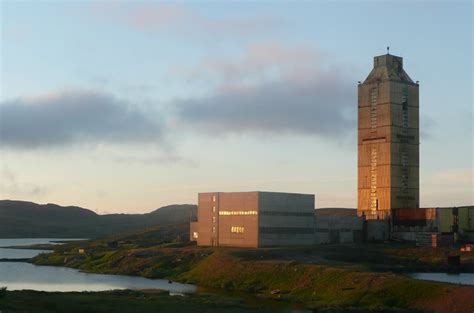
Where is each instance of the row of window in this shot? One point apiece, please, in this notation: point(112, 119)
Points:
point(373, 108)
point(237, 229)
point(373, 179)
point(238, 213)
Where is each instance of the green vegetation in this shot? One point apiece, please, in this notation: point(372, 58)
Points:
point(339, 277)
point(3, 292)
point(119, 302)
point(316, 286)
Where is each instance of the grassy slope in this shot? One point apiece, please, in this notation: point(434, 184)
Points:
point(316, 285)
point(341, 284)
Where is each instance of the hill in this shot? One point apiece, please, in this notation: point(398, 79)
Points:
point(335, 212)
point(21, 219)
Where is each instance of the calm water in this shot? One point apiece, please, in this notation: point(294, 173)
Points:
point(463, 278)
point(20, 275)
point(24, 253)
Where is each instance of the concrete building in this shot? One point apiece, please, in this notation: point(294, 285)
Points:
point(412, 224)
point(388, 140)
point(254, 219)
point(335, 225)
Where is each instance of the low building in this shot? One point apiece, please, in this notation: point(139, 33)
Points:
point(254, 219)
point(337, 225)
point(409, 224)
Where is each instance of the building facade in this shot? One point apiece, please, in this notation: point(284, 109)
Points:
point(254, 219)
point(388, 140)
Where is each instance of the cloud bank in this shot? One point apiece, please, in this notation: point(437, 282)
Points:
point(71, 117)
point(272, 89)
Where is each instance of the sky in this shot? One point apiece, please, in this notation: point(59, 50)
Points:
point(125, 107)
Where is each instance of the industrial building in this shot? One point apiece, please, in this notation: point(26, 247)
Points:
point(254, 219)
point(388, 140)
point(335, 225)
point(388, 186)
point(431, 224)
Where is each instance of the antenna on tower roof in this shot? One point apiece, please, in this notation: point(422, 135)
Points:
point(388, 50)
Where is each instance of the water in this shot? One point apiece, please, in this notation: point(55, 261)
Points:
point(21, 275)
point(462, 278)
point(6, 253)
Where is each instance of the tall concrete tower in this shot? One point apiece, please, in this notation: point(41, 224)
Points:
point(388, 140)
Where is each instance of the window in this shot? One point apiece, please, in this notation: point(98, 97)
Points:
point(237, 229)
point(405, 107)
point(405, 115)
point(213, 219)
point(373, 108)
point(373, 179)
point(195, 235)
point(213, 198)
point(214, 209)
point(213, 229)
point(223, 212)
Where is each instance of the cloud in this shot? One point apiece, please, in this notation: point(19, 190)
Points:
point(71, 117)
point(273, 89)
point(10, 186)
point(182, 19)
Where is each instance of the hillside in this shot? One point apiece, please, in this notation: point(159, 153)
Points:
point(21, 219)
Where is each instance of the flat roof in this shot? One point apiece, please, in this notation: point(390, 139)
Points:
point(256, 191)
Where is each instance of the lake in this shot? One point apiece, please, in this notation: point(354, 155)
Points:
point(462, 278)
point(20, 275)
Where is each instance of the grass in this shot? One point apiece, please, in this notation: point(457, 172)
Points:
point(318, 286)
point(126, 301)
point(348, 277)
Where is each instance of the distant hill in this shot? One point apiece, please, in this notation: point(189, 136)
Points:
point(335, 212)
point(21, 219)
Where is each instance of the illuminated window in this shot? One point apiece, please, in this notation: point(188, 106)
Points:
point(373, 179)
point(213, 198)
point(195, 235)
point(237, 229)
point(213, 219)
point(223, 212)
point(214, 209)
point(213, 229)
point(373, 108)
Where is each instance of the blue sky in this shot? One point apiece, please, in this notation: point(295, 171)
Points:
point(128, 106)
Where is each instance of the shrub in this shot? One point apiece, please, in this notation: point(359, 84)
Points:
point(3, 291)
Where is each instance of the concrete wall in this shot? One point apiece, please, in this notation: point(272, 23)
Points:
point(208, 208)
point(285, 219)
point(377, 230)
point(254, 219)
point(338, 229)
point(238, 226)
point(193, 231)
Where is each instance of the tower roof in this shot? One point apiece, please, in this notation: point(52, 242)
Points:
point(388, 67)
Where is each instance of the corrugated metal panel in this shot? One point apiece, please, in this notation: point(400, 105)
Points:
point(466, 218)
point(445, 220)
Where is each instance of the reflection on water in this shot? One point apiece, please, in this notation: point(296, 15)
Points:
point(462, 278)
point(31, 241)
point(19, 275)
point(6, 253)
point(19, 253)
